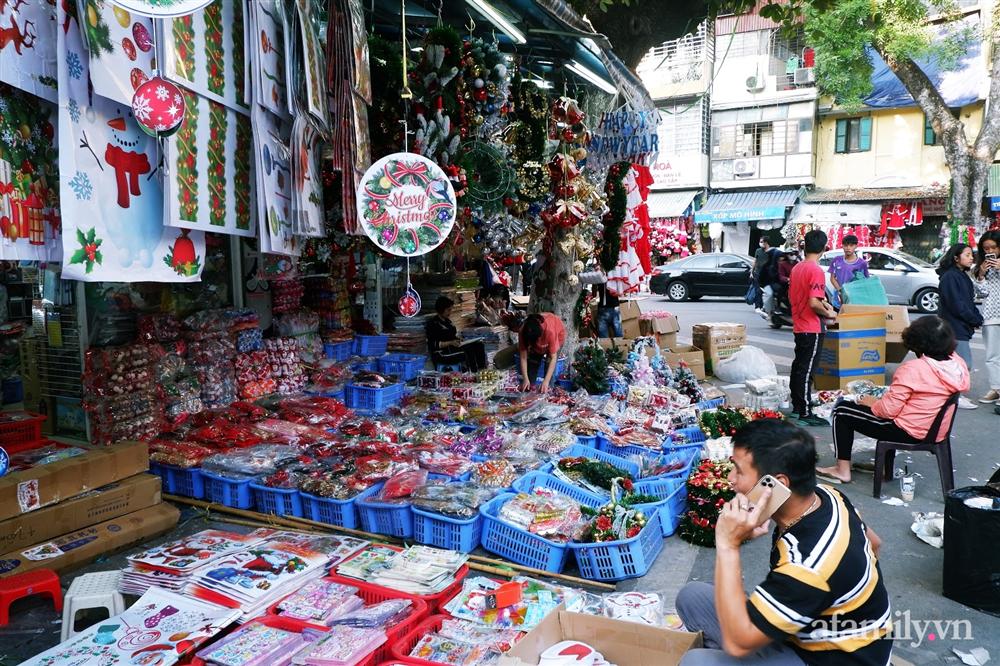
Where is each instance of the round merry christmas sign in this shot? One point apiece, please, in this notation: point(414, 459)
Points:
point(162, 8)
point(406, 204)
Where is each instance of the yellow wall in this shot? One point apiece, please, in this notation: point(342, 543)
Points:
point(898, 150)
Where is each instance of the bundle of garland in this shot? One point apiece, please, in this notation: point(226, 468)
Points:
point(724, 422)
point(596, 473)
point(708, 489)
point(618, 519)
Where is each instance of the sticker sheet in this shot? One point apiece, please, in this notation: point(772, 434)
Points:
point(110, 189)
point(194, 551)
point(267, 51)
point(307, 184)
point(359, 37)
point(206, 53)
point(315, 64)
point(159, 629)
point(274, 184)
point(28, 51)
point(251, 574)
point(210, 167)
point(29, 178)
point(122, 49)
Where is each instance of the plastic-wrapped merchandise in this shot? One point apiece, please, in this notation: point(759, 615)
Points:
point(495, 473)
point(455, 500)
point(546, 513)
point(286, 295)
point(313, 410)
point(159, 328)
point(474, 604)
point(252, 462)
point(178, 453)
point(444, 462)
point(402, 485)
point(300, 322)
point(285, 366)
point(120, 389)
point(381, 614)
point(207, 321)
point(248, 340)
point(640, 607)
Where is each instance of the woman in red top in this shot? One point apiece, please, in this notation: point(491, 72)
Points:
point(539, 338)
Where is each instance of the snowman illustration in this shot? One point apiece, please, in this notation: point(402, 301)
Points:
point(134, 216)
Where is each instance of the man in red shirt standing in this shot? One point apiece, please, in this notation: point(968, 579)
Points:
point(807, 294)
point(539, 338)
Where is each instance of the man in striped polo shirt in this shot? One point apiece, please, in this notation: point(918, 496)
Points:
point(823, 601)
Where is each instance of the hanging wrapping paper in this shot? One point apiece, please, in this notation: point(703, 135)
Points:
point(406, 204)
point(205, 52)
point(306, 149)
point(28, 47)
point(313, 60)
point(267, 54)
point(274, 184)
point(29, 188)
point(122, 49)
point(209, 181)
point(111, 194)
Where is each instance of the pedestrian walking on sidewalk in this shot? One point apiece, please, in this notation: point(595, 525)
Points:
point(958, 303)
point(807, 294)
point(987, 274)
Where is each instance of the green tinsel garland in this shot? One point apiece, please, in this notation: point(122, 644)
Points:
point(594, 472)
point(614, 188)
point(723, 422)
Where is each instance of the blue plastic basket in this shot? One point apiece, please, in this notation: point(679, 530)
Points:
point(618, 560)
point(368, 365)
point(518, 545)
point(714, 403)
point(539, 479)
point(370, 345)
point(673, 495)
point(434, 529)
point(233, 493)
point(185, 481)
point(394, 520)
point(338, 351)
point(590, 441)
point(374, 400)
point(577, 451)
point(277, 501)
point(404, 366)
point(689, 435)
point(332, 511)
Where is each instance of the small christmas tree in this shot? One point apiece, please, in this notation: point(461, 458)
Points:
point(591, 366)
point(687, 384)
point(708, 489)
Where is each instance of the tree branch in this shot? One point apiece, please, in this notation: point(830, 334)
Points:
point(988, 140)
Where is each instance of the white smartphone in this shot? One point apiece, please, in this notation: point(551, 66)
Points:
point(779, 495)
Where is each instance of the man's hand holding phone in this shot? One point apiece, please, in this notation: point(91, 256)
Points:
point(738, 522)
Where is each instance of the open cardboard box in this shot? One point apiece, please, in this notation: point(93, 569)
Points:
point(622, 643)
point(854, 350)
point(897, 318)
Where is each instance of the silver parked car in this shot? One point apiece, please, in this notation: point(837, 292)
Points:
point(907, 280)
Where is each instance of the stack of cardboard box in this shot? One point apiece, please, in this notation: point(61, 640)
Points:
point(718, 340)
point(73, 510)
point(664, 327)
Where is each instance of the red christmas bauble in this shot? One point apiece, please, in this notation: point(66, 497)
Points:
point(158, 107)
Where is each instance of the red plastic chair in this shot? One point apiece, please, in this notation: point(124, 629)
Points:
point(18, 586)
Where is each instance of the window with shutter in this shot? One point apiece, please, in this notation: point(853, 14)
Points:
point(841, 146)
point(865, 135)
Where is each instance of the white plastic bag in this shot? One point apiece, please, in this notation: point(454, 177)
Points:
point(746, 364)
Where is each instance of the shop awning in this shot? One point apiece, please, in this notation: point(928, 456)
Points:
point(746, 206)
point(670, 204)
point(832, 214)
point(880, 194)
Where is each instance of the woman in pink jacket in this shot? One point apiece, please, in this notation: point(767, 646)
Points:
point(906, 412)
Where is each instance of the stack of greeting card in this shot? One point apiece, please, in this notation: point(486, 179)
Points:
point(255, 578)
point(159, 628)
point(415, 570)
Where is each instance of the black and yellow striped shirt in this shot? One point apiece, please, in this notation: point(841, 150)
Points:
point(824, 595)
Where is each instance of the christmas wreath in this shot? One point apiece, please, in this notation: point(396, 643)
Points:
point(708, 489)
point(724, 422)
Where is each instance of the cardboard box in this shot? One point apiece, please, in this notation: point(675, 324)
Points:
point(630, 318)
point(854, 350)
point(43, 485)
point(718, 341)
point(897, 318)
point(134, 493)
point(664, 329)
point(88, 544)
point(622, 643)
point(694, 357)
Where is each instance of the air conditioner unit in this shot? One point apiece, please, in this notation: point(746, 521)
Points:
point(805, 75)
point(745, 167)
point(755, 84)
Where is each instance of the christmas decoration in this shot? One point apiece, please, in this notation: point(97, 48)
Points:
point(687, 384)
point(617, 199)
point(708, 490)
point(409, 302)
point(158, 106)
point(583, 315)
point(182, 257)
point(597, 473)
point(591, 364)
point(617, 520)
point(434, 83)
point(162, 8)
point(723, 422)
point(669, 237)
point(88, 252)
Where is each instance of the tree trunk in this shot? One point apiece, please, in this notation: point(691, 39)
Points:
point(551, 291)
point(968, 183)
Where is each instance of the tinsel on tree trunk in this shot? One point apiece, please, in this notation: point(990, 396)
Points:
point(215, 53)
point(187, 158)
point(183, 29)
point(239, 52)
point(241, 171)
point(217, 158)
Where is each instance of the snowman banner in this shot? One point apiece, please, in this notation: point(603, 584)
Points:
point(110, 189)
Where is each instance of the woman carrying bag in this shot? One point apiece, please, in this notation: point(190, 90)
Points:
point(958, 303)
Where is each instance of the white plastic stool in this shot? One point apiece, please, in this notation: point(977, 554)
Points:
point(93, 590)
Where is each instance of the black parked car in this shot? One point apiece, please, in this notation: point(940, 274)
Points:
point(709, 274)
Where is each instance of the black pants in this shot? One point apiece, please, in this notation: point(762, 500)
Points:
point(849, 418)
point(758, 299)
point(534, 365)
point(472, 355)
point(807, 346)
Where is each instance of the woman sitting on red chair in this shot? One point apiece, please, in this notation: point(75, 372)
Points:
point(919, 390)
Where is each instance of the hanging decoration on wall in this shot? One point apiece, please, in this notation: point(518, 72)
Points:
point(209, 184)
point(274, 184)
point(28, 47)
point(628, 134)
point(122, 49)
point(162, 8)
point(434, 82)
point(306, 149)
point(267, 56)
point(410, 303)
point(310, 26)
point(483, 87)
point(158, 107)
point(406, 204)
point(205, 52)
point(29, 179)
point(489, 176)
point(110, 190)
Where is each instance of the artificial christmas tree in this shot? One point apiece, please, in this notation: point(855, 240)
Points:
point(708, 489)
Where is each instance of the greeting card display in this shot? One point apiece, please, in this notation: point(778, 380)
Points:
point(122, 51)
point(28, 51)
point(194, 551)
point(274, 184)
point(267, 53)
point(110, 189)
point(162, 8)
point(160, 628)
point(406, 204)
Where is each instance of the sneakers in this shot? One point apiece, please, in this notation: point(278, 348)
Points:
point(763, 313)
point(811, 421)
point(965, 403)
point(990, 397)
